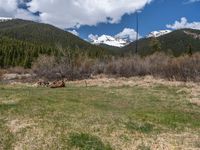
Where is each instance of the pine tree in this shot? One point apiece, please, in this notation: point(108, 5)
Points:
point(190, 50)
point(155, 44)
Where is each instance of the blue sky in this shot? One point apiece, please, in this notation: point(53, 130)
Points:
point(110, 17)
point(154, 16)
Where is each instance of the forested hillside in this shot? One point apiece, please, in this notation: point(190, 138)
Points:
point(23, 41)
point(177, 43)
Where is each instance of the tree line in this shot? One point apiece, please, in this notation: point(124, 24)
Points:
point(21, 53)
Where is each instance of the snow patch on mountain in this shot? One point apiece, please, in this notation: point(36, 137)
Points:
point(158, 33)
point(194, 35)
point(3, 19)
point(108, 40)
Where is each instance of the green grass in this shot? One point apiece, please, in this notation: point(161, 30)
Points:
point(144, 128)
point(93, 117)
point(87, 142)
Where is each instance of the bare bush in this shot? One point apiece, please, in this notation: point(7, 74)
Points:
point(183, 68)
point(46, 67)
point(57, 68)
point(136, 65)
point(2, 72)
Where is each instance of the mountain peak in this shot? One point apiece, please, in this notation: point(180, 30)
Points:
point(3, 19)
point(108, 40)
point(158, 33)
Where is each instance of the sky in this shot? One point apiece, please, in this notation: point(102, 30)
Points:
point(90, 18)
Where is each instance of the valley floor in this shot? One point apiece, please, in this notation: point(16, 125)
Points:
point(101, 114)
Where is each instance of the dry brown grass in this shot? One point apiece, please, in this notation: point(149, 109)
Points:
point(113, 81)
point(17, 125)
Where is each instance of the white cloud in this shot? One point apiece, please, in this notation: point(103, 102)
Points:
point(23, 14)
point(127, 33)
point(73, 32)
point(73, 13)
point(183, 23)
point(9, 8)
point(93, 37)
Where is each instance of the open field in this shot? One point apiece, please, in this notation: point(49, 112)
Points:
point(101, 114)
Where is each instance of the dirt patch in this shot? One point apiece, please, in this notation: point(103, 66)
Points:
point(17, 125)
point(195, 95)
point(176, 141)
point(13, 76)
point(37, 138)
point(9, 101)
point(165, 141)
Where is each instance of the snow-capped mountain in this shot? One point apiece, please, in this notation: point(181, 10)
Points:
point(109, 40)
point(3, 19)
point(158, 33)
point(121, 42)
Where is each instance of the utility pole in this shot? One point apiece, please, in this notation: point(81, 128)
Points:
point(137, 34)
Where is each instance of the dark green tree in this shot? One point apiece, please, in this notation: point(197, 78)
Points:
point(155, 44)
point(190, 50)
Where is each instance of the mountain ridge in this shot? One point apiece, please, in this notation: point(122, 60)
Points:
point(176, 42)
point(158, 33)
point(26, 40)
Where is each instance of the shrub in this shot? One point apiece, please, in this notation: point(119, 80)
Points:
point(46, 66)
point(183, 68)
point(52, 68)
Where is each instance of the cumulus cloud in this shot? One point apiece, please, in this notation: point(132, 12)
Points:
point(127, 33)
point(183, 23)
point(9, 8)
point(93, 37)
point(73, 32)
point(74, 13)
point(26, 15)
point(71, 13)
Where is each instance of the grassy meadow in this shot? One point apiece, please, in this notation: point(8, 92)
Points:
point(98, 118)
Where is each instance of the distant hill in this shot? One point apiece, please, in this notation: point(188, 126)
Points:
point(177, 43)
point(21, 42)
point(113, 50)
point(38, 38)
